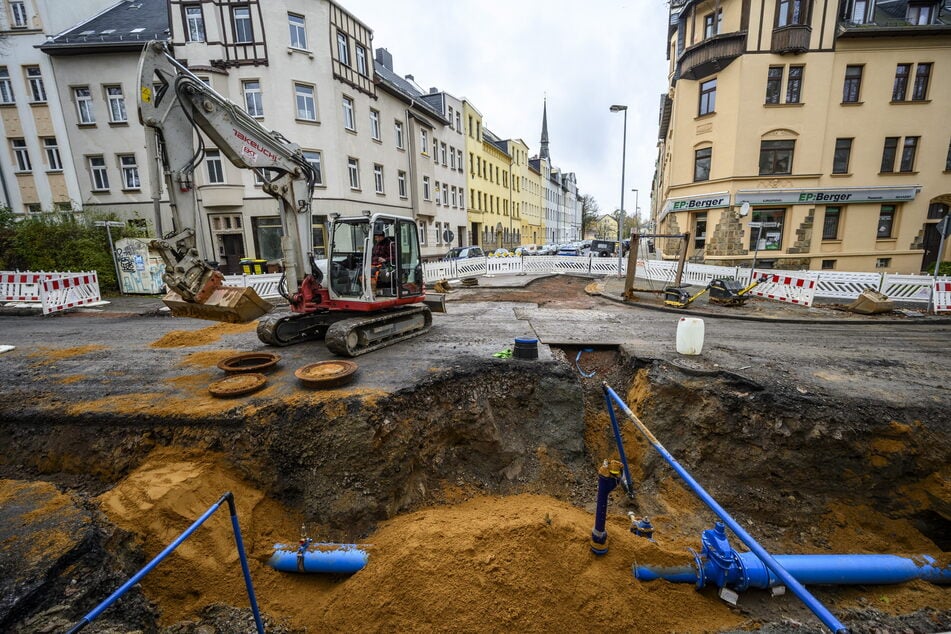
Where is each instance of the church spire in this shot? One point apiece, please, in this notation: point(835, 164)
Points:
point(543, 153)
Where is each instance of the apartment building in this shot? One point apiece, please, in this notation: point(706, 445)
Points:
point(807, 133)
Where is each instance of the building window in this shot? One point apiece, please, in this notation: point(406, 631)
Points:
point(362, 60)
point(37, 89)
point(937, 211)
point(130, 172)
point(343, 48)
point(18, 12)
point(789, 12)
point(349, 122)
point(886, 221)
point(794, 84)
point(830, 223)
point(708, 97)
point(776, 157)
point(84, 106)
point(920, 13)
point(828, 265)
point(253, 102)
point(378, 178)
point(306, 107)
point(701, 164)
point(241, 18)
point(920, 90)
point(900, 86)
point(21, 155)
point(712, 24)
point(843, 152)
point(427, 188)
point(774, 84)
point(398, 128)
point(438, 193)
point(883, 263)
point(267, 233)
point(314, 158)
point(100, 176)
point(908, 152)
point(298, 32)
point(859, 13)
point(445, 194)
point(216, 174)
point(401, 183)
point(889, 152)
point(424, 142)
point(852, 85)
point(353, 169)
point(947, 160)
point(458, 122)
point(53, 161)
point(766, 230)
point(700, 231)
point(374, 124)
point(117, 113)
point(452, 158)
point(6, 88)
point(459, 161)
point(194, 23)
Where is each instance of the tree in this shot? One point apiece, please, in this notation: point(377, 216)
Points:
point(589, 213)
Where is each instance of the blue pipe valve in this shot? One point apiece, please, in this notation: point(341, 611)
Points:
point(609, 475)
point(642, 527)
point(723, 567)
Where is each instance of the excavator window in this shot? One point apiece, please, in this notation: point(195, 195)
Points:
point(348, 248)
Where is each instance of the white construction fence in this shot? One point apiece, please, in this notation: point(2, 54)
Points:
point(52, 291)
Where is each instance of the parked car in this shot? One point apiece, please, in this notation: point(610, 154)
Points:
point(547, 249)
point(528, 249)
point(575, 251)
point(461, 253)
point(501, 253)
point(603, 248)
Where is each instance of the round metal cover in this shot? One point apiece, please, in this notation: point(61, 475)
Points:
point(237, 384)
point(324, 374)
point(249, 362)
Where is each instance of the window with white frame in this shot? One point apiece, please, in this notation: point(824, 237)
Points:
point(298, 31)
point(99, 173)
point(442, 153)
point(397, 127)
point(458, 122)
point(18, 13)
point(194, 23)
point(241, 19)
point(349, 121)
point(452, 158)
point(438, 191)
point(375, 124)
point(427, 193)
point(424, 141)
point(401, 183)
point(53, 161)
point(314, 158)
point(21, 155)
point(253, 101)
point(343, 48)
point(35, 80)
point(117, 112)
point(6, 88)
point(353, 169)
point(459, 163)
point(423, 228)
point(362, 67)
point(378, 178)
point(455, 202)
point(445, 194)
point(216, 172)
point(130, 171)
point(449, 110)
point(84, 105)
point(306, 106)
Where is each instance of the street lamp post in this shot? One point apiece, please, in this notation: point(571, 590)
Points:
point(620, 216)
point(108, 224)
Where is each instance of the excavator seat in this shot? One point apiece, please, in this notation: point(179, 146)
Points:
point(226, 303)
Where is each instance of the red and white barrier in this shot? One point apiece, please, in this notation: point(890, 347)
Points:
point(787, 288)
point(20, 287)
point(942, 296)
point(70, 290)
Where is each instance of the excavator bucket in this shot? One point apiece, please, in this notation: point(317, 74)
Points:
point(226, 303)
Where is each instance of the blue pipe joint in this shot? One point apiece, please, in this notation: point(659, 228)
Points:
point(609, 475)
point(717, 562)
point(642, 527)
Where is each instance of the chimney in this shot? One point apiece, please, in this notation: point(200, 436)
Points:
point(410, 78)
point(384, 58)
point(433, 91)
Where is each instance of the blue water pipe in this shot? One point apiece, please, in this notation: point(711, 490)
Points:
point(718, 564)
point(320, 557)
point(626, 481)
point(239, 543)
point(814, 605)
point(586, 375)
point(608, 476)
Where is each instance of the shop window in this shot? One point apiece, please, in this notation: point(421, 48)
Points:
point(830, 223)
point(267, 237)
point(886, 221)
point(700, 231)
point(766, 230)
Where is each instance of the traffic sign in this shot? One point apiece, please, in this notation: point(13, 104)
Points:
point(944, 226)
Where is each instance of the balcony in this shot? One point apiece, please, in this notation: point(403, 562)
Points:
point(711, 55)
point(214, 196)
point(792, 39)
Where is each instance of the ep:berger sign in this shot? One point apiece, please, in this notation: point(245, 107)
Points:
point(706, 203)
point(823, 197)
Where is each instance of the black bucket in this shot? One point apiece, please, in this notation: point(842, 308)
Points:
point(525, 348)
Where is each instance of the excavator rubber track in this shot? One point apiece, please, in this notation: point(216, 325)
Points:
point(359, 335)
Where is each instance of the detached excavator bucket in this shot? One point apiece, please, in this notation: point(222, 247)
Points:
point(226, 303)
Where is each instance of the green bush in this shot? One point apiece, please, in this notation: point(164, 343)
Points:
point(60, 242)
point(944, 269)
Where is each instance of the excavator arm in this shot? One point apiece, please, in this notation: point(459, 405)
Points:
point(180, 110)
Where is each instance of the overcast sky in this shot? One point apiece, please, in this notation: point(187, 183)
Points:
point(506, 56)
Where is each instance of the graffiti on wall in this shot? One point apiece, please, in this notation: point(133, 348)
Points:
point(140, 272)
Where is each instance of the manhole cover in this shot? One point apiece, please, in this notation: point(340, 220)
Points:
point(237, 385)
point(325, 374)
point(249, 362)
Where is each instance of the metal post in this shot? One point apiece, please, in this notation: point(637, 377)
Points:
point(942, 230)
point(620, 215)
point(108, 224)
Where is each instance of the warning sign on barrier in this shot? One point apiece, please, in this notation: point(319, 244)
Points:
point(69, 290)
point(942, 296)
point(797, 290)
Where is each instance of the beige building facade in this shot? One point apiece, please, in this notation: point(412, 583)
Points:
point(808, 134)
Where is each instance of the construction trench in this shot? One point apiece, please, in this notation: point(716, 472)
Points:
point(473, 493)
